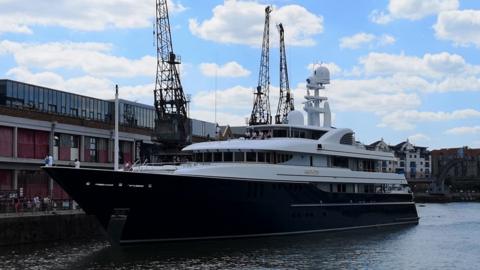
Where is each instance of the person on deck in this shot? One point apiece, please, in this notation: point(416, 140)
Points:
point(77, 163)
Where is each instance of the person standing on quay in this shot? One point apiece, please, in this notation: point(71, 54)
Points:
point(77, 163)
point(50, 160)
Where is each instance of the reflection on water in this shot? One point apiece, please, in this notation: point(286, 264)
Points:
point(447, 237)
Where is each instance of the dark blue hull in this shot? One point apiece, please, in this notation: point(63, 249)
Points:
point(141, 207)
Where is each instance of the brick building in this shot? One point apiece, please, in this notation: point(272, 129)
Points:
point(464, 173)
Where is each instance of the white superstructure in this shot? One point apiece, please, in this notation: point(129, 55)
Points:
point(293, 152)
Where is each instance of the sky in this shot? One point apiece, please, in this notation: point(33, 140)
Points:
point(400, 69)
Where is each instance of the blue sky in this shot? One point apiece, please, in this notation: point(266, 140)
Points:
point(400, 68)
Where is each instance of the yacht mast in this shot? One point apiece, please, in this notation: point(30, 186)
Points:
point(317, 82)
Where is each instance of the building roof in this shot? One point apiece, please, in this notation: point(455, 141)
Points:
point(239, 130)
point(456, 151)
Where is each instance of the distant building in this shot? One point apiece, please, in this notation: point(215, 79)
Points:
point(415, 161)
point(385, 166)
point(412, 161)
point(464, 172)
point(37, 121)
point(239, 131)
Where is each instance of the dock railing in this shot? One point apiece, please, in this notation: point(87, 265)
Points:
point(26, 206)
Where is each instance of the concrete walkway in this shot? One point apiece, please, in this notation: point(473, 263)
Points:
point(41, 213)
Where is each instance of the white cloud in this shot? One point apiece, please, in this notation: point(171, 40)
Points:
point(464, 130)
point(406, 120)
point(419, 137)
point(237, 97)
point(441, 72)
point(91, 58)
point(372, 95)
point(364, 39)
point(460, 26)
point(412, 9)
point(385, 40)
point(88, 15)
point(430, 65)
point(224, 27)
point(380, 17)
point(355, 41)
point(230, 69)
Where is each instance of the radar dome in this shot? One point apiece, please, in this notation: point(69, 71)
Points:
point(321, 75)
point(295, 118)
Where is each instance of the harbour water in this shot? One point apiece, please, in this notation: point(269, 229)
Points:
point(448, 237)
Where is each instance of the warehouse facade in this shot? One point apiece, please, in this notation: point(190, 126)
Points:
point(36, 122)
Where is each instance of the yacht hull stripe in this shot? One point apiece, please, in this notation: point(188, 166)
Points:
point(414, 221)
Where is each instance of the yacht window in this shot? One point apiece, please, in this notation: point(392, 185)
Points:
point(261, 157)
point(217, 157)
point(347, 139)
point(323, 187)
point(341, 162)
point(239, 157)
point(341, 187)
point(267, 157)
point(207, 157)
point(198, 157)
point(369, 188)
point(379, 188)
point(283, 158)
point(281, 133)
point(317, 134)
point(368, 165)
point(228, 157)
point(251, 157)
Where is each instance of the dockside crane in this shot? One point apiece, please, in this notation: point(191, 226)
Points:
point(172, 126)
point(285, 102)
point(261, 105)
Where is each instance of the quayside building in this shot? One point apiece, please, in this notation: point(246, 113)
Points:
point(37, 121)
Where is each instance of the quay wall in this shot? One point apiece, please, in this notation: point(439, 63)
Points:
point(447, 198)
point(23, 229)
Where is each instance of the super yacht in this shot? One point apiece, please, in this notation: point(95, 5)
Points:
point(279, 179)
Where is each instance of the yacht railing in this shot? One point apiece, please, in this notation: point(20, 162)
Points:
point(167, 166)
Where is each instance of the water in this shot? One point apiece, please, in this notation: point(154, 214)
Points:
point(448, 237)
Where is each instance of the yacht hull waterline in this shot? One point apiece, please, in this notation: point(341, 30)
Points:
point(135, 207)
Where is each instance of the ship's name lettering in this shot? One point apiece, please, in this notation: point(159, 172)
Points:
point(311, 172)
